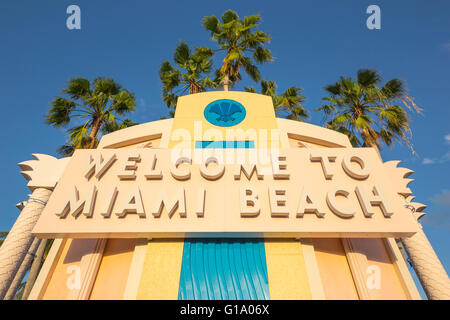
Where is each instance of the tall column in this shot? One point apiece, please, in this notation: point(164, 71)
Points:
point(42, 174)
point(35, 268)
point(24, 267)
point(19, 238)
point(429, 270)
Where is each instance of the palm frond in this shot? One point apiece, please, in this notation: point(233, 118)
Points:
point(262, 55)
point(367, 114)
point(182, 54)
point(251, 69)
point(59, 113)
point(368, 77)
point(78, 88)
point(191, 74)
point(94, 103)
point(242, 43)
point(106, 86)
point(66, 150)
point(211, 23)
point(112, 125)
point(229, 15)
point(123, 102)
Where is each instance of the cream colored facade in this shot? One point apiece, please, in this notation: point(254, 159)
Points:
point(339, 262)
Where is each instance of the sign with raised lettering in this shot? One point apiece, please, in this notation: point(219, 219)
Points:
point(335, 192)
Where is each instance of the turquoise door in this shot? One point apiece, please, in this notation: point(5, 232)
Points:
point(223, 269)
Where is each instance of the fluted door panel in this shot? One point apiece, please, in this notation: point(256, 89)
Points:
point(221, 269)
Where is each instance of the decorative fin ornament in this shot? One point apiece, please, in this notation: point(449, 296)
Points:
point(400, 179)
point(44, 171)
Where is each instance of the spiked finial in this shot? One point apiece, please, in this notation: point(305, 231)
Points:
point(400, 179)
point(44, 171)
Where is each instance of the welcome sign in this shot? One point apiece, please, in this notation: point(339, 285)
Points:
point(335, 192)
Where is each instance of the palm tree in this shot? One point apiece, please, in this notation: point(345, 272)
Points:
point(190, 76)
point(370, 115)
point(79, 138)
point(92, 105)
point(238, 37)
point(366, 113)
point(288, 104)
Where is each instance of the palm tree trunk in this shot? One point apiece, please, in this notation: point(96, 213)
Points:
point(369, 140)
point(34, 271)
point(97, 123)
point(194, 88)
point(226, 80)
point(19, 239)
point(26, 263)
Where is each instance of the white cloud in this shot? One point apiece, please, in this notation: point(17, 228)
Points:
point(442, 159)
point(447, 138)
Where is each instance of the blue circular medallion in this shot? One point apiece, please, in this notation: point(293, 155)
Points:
point(224, 113)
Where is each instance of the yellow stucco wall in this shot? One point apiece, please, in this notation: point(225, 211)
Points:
point(190, 125)
point(161, 272)
point(286, 270)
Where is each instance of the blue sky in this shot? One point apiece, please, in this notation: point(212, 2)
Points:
point(313, 42)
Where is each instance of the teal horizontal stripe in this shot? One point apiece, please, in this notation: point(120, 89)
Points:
point(225, 144)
